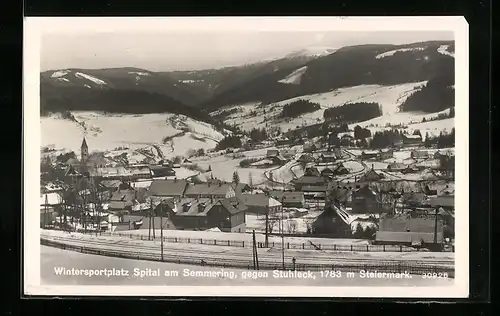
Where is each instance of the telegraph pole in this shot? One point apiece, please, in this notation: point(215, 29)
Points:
point(267, 223)
point(255, 254)
point(282, 231)
point(45, 211)
point(161, 229)
point(435, 226)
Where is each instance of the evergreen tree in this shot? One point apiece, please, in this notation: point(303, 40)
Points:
point(236, 177)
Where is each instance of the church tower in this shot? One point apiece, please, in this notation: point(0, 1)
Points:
point(84, 151)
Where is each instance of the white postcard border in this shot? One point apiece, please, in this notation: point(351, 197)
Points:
point(34, 26)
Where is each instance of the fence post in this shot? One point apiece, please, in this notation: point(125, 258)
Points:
point(229, 243)
point(273, 244)
point(175, 239)
point(367, 249)
point(400, 248)
point(287, 245)
point(215, 241)
point(243, 244)
point(383, 247)
point(302, 245)
point(201, 241)
point(351, 247)
point(335, 247)
point(189, 240)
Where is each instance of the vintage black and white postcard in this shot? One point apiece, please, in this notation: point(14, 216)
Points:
point(276, 157)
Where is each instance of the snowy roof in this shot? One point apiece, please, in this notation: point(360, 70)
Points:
point(208, 189)
point(168, 187)
point(201, 207)
point(412, 136)
point(287, 196)
point(446, 201)
point(259, 200)
point(111, 183)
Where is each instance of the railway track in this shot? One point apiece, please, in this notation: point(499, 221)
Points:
point(266, 255)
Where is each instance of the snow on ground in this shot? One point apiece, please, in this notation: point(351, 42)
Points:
point(314, 51)
point(443, 49)
point(138, 73)
point(52, 258)
point(389, 97)
point(89, 77)
point(63, 79)
point(220, 236)
point(397, 118)
point(59, 73)
point(392, 52)
point(105, 132)
point(292, 224)
point(434, 127)
point(294, 77)
point(223, 167)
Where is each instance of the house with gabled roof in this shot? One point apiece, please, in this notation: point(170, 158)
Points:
point(174, 188)
point(304, 158)
point(260, 204)
point(371, 176)
point(289, 199)
point(365, 201)
point(412, 139)
point(210, 189)
point(396, 167)
point(405, 230)
point(340, 169)
point(419, 154)
point(369, 154)
point(305, 180)
point(228, 215)
point(386, 154)
point(312, 171)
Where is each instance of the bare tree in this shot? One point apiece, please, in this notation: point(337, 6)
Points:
point(292, 226)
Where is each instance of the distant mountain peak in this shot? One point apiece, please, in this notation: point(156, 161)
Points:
point(317, 51)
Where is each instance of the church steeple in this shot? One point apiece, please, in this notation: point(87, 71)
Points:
point(84, 151)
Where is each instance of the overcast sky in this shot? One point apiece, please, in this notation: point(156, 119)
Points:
point(190, 51)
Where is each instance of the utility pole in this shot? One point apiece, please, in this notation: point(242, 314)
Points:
point(149, 225)
point(435, 226)
point(161, 229)
point(282, 231)
point(267, 222)
point(45, 211)
point(255, 254)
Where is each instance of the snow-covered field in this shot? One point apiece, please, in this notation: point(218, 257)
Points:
point(294, 77)
point(389, 97)
point(106, 132)
point(392, 52)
